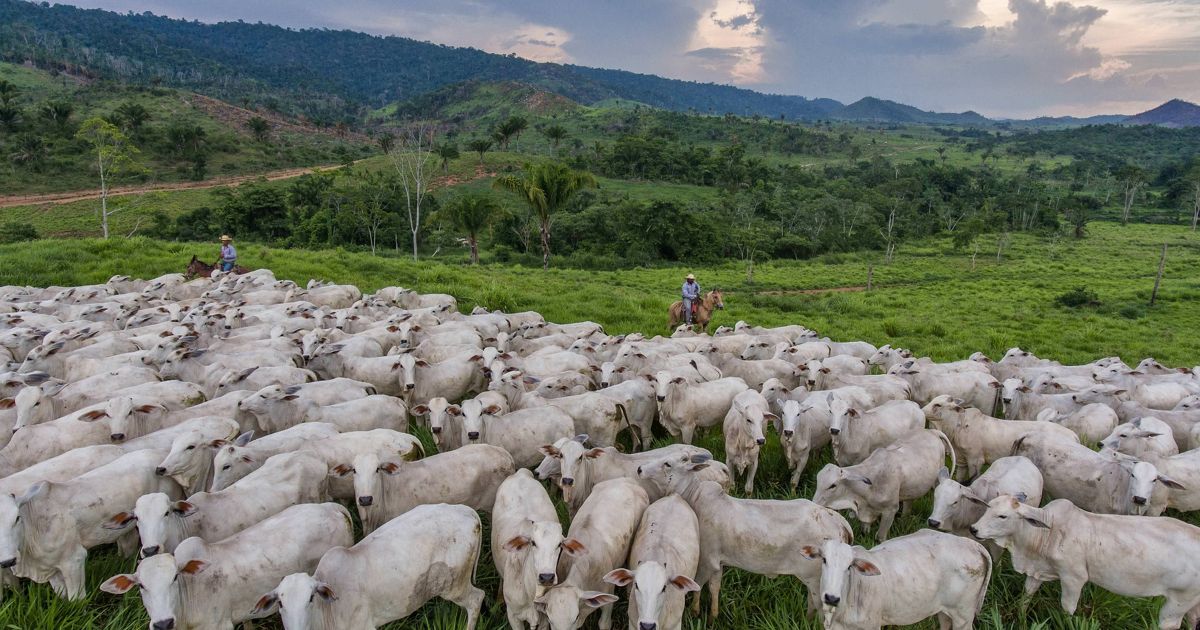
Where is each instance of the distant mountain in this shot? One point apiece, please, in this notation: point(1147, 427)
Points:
point(1173, 113)
point(1059, 122)
point(880, 110)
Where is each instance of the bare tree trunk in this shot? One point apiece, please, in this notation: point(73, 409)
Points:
point(545, 245)
point(410, 158)
point(103, 194)
point(474, 243)
point(1196, 213)
point(974, 254)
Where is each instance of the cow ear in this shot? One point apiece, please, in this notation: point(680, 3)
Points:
point(517, 543)
point(685, 584)
point(1035, 522)
point(619, 577)
point(596, 599)
point(290, 397)
point(244, 438)
point(594, 453)
point(995, 384)
point(422, 363)
point(1171, 483)
point(390, 468)
point(944, 473)
point(420, 410)
point(148, 408)
point(454, 410)
point(324, 592)
point(550, 451)
point(1024, 389)
point(93, 415)
point(7, 403)
point(119, 584)
point(810, 552)
point(970, 495)
point(194, 567)
point(865, 567)
point(267, 604)
point(119, 521)
point(341, 470)
point(492, 410)
point(573, 547)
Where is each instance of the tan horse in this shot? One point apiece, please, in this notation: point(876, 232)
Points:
point(709, 302)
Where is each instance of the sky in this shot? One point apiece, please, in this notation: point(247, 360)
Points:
point(1002, 58)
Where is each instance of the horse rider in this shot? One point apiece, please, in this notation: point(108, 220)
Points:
point(691, 295)
point(228, 254)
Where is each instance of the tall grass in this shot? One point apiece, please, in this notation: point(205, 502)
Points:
point(928, 300)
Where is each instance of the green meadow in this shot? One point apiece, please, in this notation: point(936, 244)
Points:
point(930, 298)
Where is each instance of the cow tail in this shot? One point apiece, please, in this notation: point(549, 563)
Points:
point(950, 449)
point(635, 434)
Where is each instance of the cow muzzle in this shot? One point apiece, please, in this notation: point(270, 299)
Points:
point(410, 386)
point(8, 564)
point(436, 430)
point(547, 579)
point(603, 384)
point(366, 501)
point(647, 625)
point(834, 431)
point(934, 523)
point(760, 441)
point(1139, 500)
point(661, 398)
point(160, 471)
point(165, 624)
point(974, 531)
point(568, 481)
point(472, 435)
point(149, 551)
point(117, 437)
point(787, 433)
point(831, 599)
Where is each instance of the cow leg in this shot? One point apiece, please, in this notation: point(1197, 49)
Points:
point(605, 622)
point(885, 523)
point(714, 595)
point(905, 508)
point(73, 575)
point(471, 600)
point(944, 622)
point(1072, 588)
point(1032, 584)
point(685, 433)
point(1170, 616)
point(750, 475)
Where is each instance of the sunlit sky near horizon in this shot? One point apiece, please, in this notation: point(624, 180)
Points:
point(1002, 58)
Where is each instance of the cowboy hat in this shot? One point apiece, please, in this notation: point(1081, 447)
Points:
point(226, 237)
point(690, 277)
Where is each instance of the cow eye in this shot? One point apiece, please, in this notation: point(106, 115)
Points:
point(833, 485)
point(1002, 516)
point(191, 447)
point(227, 467)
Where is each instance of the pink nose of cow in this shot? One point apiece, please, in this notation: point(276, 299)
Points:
point(366, 501)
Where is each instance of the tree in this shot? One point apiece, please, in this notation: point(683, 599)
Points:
point(480, 146)
point(510, 130)
point(8, 91)
point(190, 142)
point(546, 188)
point(10, 116)
point(373, 204)
point(259, 128)
point(555, 134)
point(387, 142)
point(446, 152)
point(115, 156)
point(1132, 179)
point(410, 157)
point(1193, 180)
point(472, 214)
point(57, 113)
point(30, 151)
point(132, 116)
point(1077, 209)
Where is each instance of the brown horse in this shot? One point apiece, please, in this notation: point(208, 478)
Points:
point(198, 267)
point(709, 302)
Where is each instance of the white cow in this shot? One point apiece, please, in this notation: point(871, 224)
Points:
point(903, 581)
point(743, 429)
point(664, 556)
point(857, 433)
point(1153, 557)
point(685, 407)
point(216, 585)
point(522, 433)
point(1091, 423)
point(956, 507)
point(980, 439)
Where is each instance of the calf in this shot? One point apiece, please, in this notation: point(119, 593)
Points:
point(908, 579)
point(45, 533)
point(891, 476)
point(759, 536)
point(975, 389)
point(665, 553)
point(216, 585)
point(1154, 557)
point(469, 475)
point(604, 527)
point(1148, 438)
point(744, 437)
point(956, 507)
point(526, 541)
point(276, 408)
point(522, 433)
point(799, 435)
point(856, 434)
point(1181, 421)
point(452, 379)
point(429, 552)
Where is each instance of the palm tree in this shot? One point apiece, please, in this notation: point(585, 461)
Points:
point(446, 152)
point(387, 141)
point(555, 134)
point(132, 116)
point(480, 146)
point(8, 91)
point(516, 125)
point(57, 112)
point(546, 188)
point(10, 115)
point(259, 127)
point(30, 151)
point(471, 213)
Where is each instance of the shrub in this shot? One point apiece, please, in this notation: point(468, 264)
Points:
point(16, 232)
point(1079, 296)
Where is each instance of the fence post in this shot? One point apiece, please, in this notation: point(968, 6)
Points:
point(1158, 278)
point(870, 275)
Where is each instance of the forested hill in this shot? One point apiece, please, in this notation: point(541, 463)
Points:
point(333, 76)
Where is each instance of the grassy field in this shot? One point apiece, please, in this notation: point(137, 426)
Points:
point(929, 299)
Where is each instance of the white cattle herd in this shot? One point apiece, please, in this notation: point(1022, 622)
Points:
point(220, 429)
